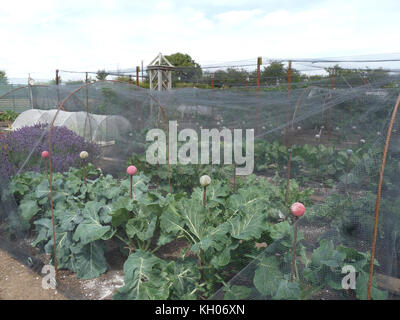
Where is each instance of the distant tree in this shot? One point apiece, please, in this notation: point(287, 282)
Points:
point(3, 77)
point(72, 82)
point(101, 75)
point(53, 81)
point(187, 69)
point(277, 71)
point(355, 77)
point(230, 77)
point(124, 79)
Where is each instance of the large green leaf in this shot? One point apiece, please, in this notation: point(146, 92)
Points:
point(28, 208)
point(89, 261)
point(287, 290)
point(91, 229)
point(267, 276)
point(327, 255)
point(143, 280)
point(248, 219)
point(184, 277)
point(249, 226)
point(141, 228)
point(121, 210)
point(362, 288)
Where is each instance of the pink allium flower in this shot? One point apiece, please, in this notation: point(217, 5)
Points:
point(131, 170)
point(45, 154)
point(297, 209)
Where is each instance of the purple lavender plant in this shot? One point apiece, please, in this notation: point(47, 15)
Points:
point(16, 146)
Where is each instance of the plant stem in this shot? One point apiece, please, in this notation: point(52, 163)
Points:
point(84, 174)
point(347, 172)
point(288, 178)
point(130, 178)
point(294, 250)
point(204, 196)
point(234, 177)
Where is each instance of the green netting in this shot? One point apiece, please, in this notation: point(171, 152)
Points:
point(160, 234)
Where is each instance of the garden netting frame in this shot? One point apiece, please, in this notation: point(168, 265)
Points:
point(276, 115)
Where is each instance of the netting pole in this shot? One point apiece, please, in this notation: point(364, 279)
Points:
point(58, 92)
point(247, 83)
point(87, 92)
point(212, 81)
point(169, 162)
point(51, 183)
point(259, 62)
point(287, 136)
point(142, 72)
point(51, 197)
point(288, 105)
point(234, 177)
point(87, 105)
point(137, 75)
point(328, 124)
point(378, 195)
point(30, 90)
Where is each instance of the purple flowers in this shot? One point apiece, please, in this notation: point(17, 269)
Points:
point(16, 146)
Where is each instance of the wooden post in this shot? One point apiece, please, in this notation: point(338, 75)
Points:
point(142, 72)
point(57, 77)
point(212, 81)
point(137, 75)
point(259, 63)
point(58, 92)
point(328, 124)
point(288, 105)
point(87, 93)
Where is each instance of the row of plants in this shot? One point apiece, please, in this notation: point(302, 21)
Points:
point(8, 116)
point(308, 162)
point(220, 235)
point(270, 277)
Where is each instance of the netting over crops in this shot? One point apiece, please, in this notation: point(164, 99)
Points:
point(316, 141)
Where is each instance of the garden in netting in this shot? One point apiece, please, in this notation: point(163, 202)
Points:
point(262, 192)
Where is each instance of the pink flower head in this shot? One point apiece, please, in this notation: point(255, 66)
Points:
point(297, 209)
point(45, 154)
point(131, 170)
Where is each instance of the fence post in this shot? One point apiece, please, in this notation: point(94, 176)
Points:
point(259, 63)
point(58, 92)
point(137, 75)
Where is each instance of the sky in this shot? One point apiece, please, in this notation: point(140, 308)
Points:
point(41, 36)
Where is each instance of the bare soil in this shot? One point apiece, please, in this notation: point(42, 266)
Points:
point(17, 282)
